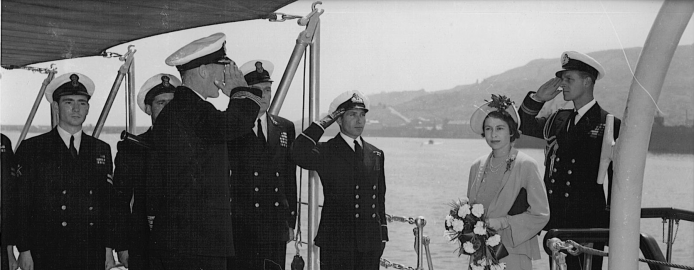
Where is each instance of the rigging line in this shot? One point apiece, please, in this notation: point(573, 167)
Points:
point(627, 59)
point(298, 239)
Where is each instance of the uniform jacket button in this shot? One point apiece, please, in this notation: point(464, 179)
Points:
point(356, 206)
point(356, 187)
point(356, 196)
point(356, 215)
point(257, 205)
point(63, 207)
point(277, 174)
point(557, 159)
point(229, 199)
point(255, 173)
point(276, 189)
point(569, 172)
point(550, 191)
point(568, 183)
point(554, 170)
point(64, 223)
point(91, 208)
point(91, 223)
point(566, 195)
point(64, 191)
point(552, 181)
point(90, 192)
point(229, 172)
point(277, 204)
point(374, 187)
point(573, 161)
point(373, 206)
point(256, 189)
point(373, 215)
point(373, 197)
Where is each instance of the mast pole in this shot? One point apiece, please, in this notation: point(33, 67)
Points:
point(632, 148)
point(51, 74)
point(128, 58)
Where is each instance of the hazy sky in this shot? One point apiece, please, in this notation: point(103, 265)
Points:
point(373, 46)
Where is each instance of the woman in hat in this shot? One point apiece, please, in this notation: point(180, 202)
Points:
point(508, 184)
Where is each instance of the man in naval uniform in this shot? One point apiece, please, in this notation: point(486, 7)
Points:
point(188, 184)
point(353, 230)
point(65, 187)
point(9, 231)
point(263, 69)
point(130, 177)
point(574, 141)
point(264, 180)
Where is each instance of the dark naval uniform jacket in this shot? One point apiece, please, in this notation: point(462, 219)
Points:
point(129, 179)
point(353, 214)
point(65, 206)
point(263, 177)
point(188, 184)
point(572, 159)
point(9, 199)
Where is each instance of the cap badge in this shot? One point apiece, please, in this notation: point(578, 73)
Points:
point(356, 99)
point(74, 80)
point(565, 59)
point(165, 81)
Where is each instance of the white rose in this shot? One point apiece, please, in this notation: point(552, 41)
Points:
point(476, 267)
point(479, 228)
point(464, 210)
point(478, 210)
point(494, 240)
point(458, 225)
point(468, 247)
point(482, 262)
point(449, 219)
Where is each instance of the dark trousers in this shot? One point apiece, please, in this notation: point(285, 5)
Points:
point(176, 261)
point(352, 259)
point(255, 255)
point(576, 262)
point(5, 260)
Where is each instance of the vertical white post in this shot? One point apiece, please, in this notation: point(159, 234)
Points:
point(632, 146)
point(314, 114)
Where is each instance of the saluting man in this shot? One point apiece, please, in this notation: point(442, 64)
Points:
point(66, 187)
point(130, 177)
point(264, 179)
point(353, 230)
point(188, 183)
point(574, 141)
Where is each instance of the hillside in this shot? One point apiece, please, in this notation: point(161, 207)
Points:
point(458, 103)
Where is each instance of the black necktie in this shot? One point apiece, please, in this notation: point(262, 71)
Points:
point(572, 120)
point(358, 152)
point(261, 136)
point(73, 150)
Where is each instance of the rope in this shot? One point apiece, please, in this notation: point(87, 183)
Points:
point(590, 251)
point(386, 263)
point(298, 239)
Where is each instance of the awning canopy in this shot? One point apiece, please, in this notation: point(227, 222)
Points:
point(41, 31)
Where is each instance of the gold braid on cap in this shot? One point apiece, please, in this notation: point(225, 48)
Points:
point(500, 102)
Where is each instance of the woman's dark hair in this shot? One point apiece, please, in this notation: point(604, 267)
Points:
point(503, 115)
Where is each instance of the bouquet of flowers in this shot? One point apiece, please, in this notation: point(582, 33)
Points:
point(467, 224)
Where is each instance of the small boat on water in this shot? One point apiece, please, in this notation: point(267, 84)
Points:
point(35, 33)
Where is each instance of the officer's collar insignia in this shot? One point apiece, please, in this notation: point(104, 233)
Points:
point(356, 99)
point(2, 149)
point(378, 153)
point(101, 160)
point(565, 59)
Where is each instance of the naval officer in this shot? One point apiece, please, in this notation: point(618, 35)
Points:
point(188, 184)
point(574, 139)
point(353, 230)
point(130, 177)
point(66, 187)
point(264, 179)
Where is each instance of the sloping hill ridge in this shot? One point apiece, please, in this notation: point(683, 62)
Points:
point(457, 104)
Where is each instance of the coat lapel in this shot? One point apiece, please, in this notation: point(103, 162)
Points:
point(344, 151)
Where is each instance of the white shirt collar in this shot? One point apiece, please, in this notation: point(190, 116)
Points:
point(65, 136)
point(580, 112)
point(263, 123)
point(350, 141)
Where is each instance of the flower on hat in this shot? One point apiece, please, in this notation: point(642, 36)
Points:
point(500, 102)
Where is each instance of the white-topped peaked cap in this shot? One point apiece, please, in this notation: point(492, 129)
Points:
point(154, 86)
point(64, 86)
point(199, 52)
point(571, 60)
point(350, 100)
point(477, 118)
point(252, 76)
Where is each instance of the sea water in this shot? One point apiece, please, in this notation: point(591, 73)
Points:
point(422, 178)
